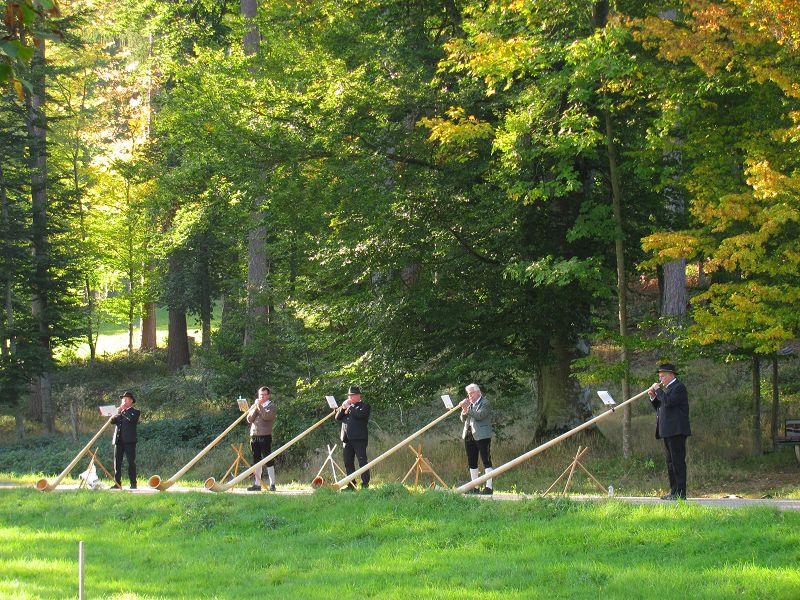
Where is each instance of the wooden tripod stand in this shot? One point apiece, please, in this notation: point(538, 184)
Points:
point(420, 466)
point(235, 466)
point(318, 479)
point(96, 461)
point(576, 462)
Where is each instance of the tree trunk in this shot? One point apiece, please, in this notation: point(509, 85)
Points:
point(178, 343)
point(8, 340)
point(756, 404)
point(148, 327)
point(206, 307)
point(562, 403)
point(776, 406)
point(37, 136)
point(600, 14)
point(673, 296)
point(149, 339)
point(257, 260)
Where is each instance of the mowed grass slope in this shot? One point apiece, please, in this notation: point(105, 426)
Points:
point(389, 543)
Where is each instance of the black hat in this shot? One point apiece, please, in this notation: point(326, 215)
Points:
point(128, 395)
point(668, 367)
point(354, 391)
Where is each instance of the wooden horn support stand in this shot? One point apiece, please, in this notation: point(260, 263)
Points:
point(539, 449)
point(48, 486)
point(155, 481)
point(343, 483)
point(215, 486)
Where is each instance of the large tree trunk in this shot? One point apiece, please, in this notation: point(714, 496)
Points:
point(178, 344)
point(562, 403)
point(673, 294)
point(37, 136)
point(257, 260)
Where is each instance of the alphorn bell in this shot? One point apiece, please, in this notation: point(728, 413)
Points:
point(213, 485)
point(531, 453)
point(155, 481)
point(48, 486)
point(343, 483)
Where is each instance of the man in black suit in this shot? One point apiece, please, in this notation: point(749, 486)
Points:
point(671, 401)
point(124, 439)
point(354, 416)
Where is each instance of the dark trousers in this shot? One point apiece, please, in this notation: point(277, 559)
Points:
point(675, 453)
point(474, 447)
point(351, 449)
point(261, 446)
point(128, 451)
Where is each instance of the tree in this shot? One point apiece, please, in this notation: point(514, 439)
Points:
point(743, 181)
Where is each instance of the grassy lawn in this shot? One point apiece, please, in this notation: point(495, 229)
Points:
point(389, 543)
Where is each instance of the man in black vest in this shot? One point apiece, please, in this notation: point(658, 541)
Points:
point(124, 439)
point(354, 416)
point(671, 401)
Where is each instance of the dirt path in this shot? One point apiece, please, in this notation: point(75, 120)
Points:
point(723, 502)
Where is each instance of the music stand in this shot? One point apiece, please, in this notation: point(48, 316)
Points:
point(235, 465)
point(421, 465)
point(576, 462)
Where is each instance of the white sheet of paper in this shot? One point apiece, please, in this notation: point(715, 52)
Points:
point(331, 401)
point(606, 398)
point(448, 403)
point(108, 410)
point(243, 405)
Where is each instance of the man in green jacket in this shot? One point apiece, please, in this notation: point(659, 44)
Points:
point(477, 435)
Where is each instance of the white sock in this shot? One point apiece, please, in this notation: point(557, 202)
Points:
point(271, 475)
point(486, 471)
point(257, 476)
point(474, 474)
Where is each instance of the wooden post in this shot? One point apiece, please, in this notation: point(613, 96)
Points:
point(80, 570)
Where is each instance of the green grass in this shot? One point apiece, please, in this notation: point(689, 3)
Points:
point(389, 543)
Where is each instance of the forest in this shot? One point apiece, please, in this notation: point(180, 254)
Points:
point(405, 194)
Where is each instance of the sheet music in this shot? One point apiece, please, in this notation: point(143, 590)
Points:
point(606, 398)
point(109, 410)
point(243, 404)
point(448, 403)
point(331, 401)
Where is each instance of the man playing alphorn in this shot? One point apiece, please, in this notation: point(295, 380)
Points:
point(261, 417)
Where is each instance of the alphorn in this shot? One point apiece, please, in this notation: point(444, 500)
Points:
point(215, 486)
point(531, 453)
point(48, 486)
point(155, 481)
point(343, 483)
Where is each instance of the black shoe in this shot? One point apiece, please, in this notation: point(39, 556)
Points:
point(254, 488)
point(669, 497)
point(272, 487)
point(473, 491)
point(680, 496)
point(364, 486)
point(116, 486)
point(487, 491)
point(133, 487)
